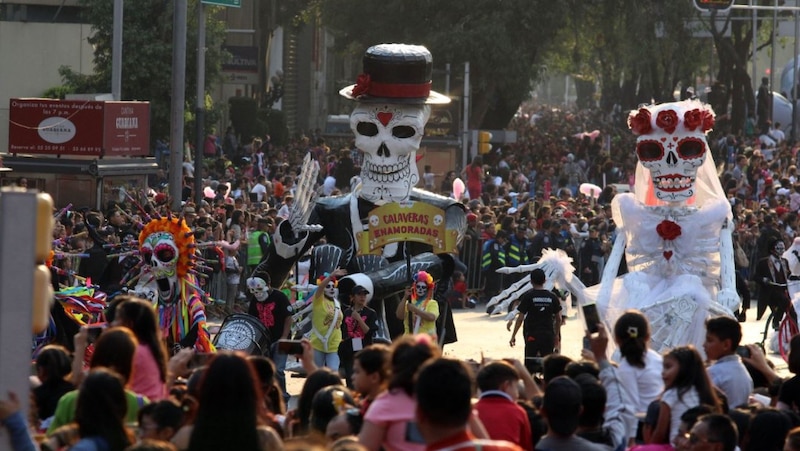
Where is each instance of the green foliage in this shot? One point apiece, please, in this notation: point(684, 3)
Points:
point(625, 44)
point(503, 40)
point(147, 57)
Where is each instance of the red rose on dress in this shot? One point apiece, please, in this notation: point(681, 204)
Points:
point(667, 120)
point(361, 86)
point(692, 119)
point(668, 230)
point(639, 123)
point(708, 120)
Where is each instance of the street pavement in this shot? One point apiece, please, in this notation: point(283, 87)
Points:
point(482, 335)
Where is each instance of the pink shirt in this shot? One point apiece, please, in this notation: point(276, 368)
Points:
point(394, 410)
point(146, 378)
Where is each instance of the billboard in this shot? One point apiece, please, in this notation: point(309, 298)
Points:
point(79, 127)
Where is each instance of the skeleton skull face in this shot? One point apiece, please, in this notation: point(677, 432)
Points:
point(422, 290)
point(161, 253)
point(672, 150)
point(389, 135)
point(330, 289)
point(258, 288)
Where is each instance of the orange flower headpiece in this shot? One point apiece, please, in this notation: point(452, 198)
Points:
point(183, 236)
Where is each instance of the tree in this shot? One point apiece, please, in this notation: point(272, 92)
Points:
point(637, 51)
point(504, 41)
point(147, 57)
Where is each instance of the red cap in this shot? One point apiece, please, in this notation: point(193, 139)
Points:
point(781, 210)
point(472, 217)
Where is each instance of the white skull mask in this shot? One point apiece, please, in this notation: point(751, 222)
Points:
point(422, 290)
point(330, 290)
point(161, 253)
point(389, 135)
point(672, 146)
point(258, 288)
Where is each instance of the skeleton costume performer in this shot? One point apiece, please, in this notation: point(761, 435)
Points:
point(675, 230)
point(394, 97)
point(166, 246)
point(326, 323)
point(422, 300)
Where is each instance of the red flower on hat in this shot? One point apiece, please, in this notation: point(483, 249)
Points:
point(361, 86)
point(692, 119)
point(708, 120)
point(639, 123)
point(668, 230)
point(667, 120)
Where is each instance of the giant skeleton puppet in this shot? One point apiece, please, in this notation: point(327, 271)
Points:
point(674, 230)
point(394, 97)
point(167, 248)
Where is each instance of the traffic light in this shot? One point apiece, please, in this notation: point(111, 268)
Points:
point(484, 142)
point(42, 294)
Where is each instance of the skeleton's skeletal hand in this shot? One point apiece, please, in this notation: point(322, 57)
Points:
point(729, 299)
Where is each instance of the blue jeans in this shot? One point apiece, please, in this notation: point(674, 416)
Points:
point(329, 359)
point(279, 359)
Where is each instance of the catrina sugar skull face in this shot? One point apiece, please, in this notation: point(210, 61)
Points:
point(389, 135)
point(160, 252)
point(672, 145)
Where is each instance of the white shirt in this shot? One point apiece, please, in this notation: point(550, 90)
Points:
point(328, 185)
point(259, 189)
point(678, 406)
point(730, 375)
point(643, 385)
point(284, 211)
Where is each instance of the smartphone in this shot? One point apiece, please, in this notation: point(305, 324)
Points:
point(587, 343)
point(412, 433)
point(592, 317)
point(93, 331)
point(200, 359)
point(291, 347)
point(743, 351)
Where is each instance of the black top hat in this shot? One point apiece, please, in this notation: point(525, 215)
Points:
point(395, 73)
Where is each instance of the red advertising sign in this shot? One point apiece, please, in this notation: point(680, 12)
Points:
point(79, 127)
point(126, 131)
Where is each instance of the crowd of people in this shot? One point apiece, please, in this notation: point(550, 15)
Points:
point(520, 199)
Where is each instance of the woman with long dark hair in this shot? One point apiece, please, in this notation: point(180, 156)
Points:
point(230, 414)
point(100, 413)
point(385, 423)
point(150, 361)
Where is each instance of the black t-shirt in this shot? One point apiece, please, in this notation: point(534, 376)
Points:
point(272, 312)
point(540, 308)
point(790, 393)
point(351, 329)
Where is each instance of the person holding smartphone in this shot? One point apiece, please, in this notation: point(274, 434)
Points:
point(540, 311)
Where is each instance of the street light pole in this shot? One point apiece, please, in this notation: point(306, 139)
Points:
point(200, 104)
point(116, 52)
point(177, 105)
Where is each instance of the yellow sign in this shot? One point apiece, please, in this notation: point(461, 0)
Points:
point(408, 221)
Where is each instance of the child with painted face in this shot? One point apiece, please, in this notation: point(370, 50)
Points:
point(418, 309)
point(326, 321)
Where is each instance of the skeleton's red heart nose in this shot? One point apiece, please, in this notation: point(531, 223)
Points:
point(385, 117)
point(667, 254)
